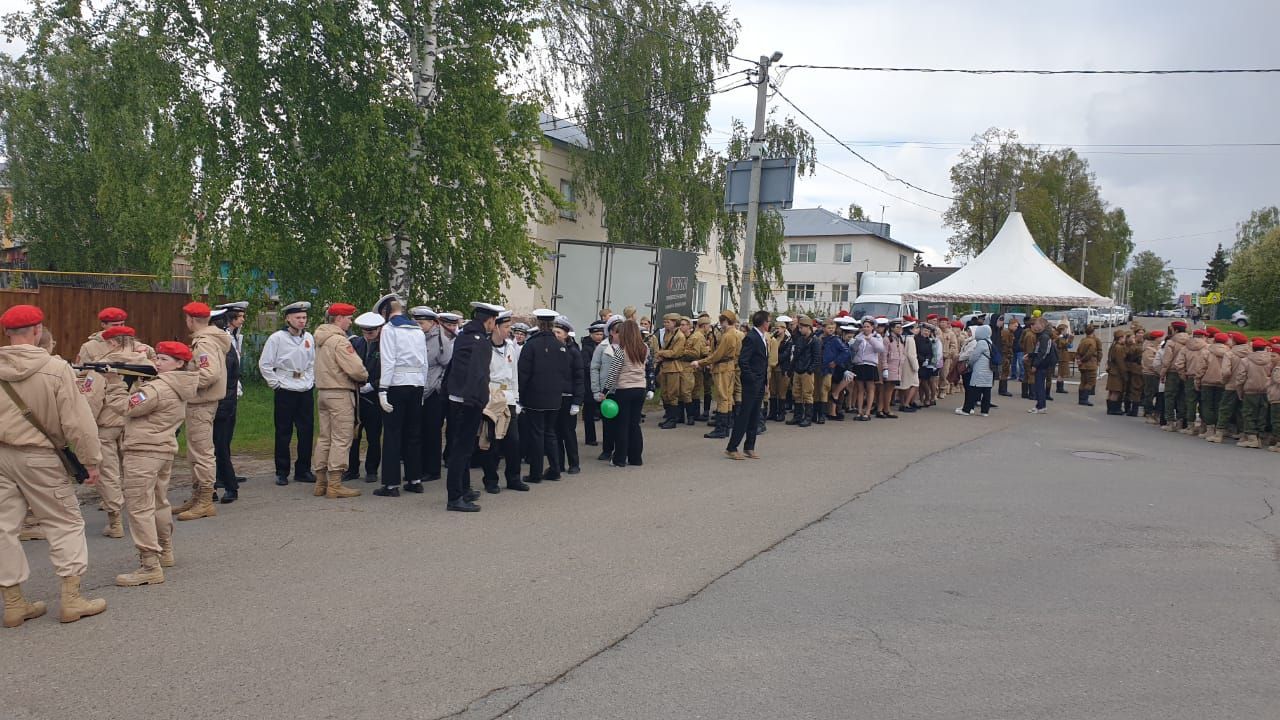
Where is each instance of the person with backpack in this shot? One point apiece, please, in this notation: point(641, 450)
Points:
point(977, 358)
point(1044, 358)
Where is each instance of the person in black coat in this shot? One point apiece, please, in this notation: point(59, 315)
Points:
point(467, 386)
point(224, 418)
point(571, 401)
point(545, 375)
point(368, 412)
point(753, 368)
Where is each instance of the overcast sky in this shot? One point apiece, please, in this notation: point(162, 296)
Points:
point(1168, 193)
point(1181, 201)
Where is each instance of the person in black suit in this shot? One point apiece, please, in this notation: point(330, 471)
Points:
point(545, 377)
point(468, 393)
point(753, 364)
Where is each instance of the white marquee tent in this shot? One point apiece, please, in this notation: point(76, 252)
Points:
point(1012, 270)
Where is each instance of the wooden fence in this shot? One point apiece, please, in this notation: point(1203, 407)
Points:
point(72, 313)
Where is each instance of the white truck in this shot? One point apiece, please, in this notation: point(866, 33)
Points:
point(880, 293)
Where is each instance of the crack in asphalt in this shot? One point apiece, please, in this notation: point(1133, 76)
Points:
point(1275, 539)
point(881, 645)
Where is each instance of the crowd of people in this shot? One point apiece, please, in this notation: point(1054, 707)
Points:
point(412, 395)
point(1201, 382)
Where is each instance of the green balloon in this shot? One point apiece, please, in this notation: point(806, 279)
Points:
point(609, 408)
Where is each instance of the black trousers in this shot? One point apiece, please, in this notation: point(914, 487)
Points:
point(294, 410)
point(975, 395)
point(628, 442)
point(608, 426)
point(509, 448)
point(370, 415)
point(401, 434)
point(567, 432)
point(543, 443)
point(224, 427)
point(747, 421)
point(464, 425)
point(590, 410)
point(432, 438)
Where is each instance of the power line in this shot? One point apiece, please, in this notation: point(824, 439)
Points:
point(888, 175)
point(649, 99)
point(1011, 71)
point(1180, 237)
point(873, 187)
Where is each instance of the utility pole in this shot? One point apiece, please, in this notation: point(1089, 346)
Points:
point(753, 191)
point(1114, 255)
point(1084, 246)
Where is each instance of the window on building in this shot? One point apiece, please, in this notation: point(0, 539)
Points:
point(802, 253)
point(726, 299)
point(840, 293)
point(800, 292)
point(844, 253)
point(700, 297)
point(904, 264)
point(566, 189)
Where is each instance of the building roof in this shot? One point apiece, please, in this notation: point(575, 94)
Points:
point(820, 222)
point(562, 131)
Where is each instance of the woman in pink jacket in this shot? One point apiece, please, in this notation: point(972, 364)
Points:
point(891, 370)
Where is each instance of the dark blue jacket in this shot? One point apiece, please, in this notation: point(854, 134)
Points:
point(834, 350)
point(806, 355)
point(469, 370)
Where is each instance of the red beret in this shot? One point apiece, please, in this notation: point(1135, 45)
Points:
point(341, 309)
point(112, 314)
point(117, 331)
point(1239, 338)
point(909, 318)
point(1212, 330)
point(174, 350)
point(931, 316)
point(1260, 344)
point(957, 324)
point(21, 316)
point(1275, 340)
point(1156, 334)
point(1199, 333)
point(1221, 338)
point(1178, 324)
point(196, 310)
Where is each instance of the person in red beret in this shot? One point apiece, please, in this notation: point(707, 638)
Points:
point(209, 346)
point(1229, 418)
point(32, 475)
point(1213, 381)
point(1254, 375)
point(95, 347)
point(339, 374)
point(1172, 369)
point(153, 411)
point(1192, 366)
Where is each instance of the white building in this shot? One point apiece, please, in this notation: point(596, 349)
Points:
point(823, 255)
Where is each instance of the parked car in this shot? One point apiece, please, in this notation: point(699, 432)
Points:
point(1178, 312)
point(1075, 321)
point(1240, 318)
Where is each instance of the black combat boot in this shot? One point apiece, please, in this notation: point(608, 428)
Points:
point(1133, 410)
point(1062, 387)
point(1004, 388)
point(1113, 407)
point(721, 429)
point(760, 426)
point(691, 413)
point(1084, 398)
point(797, 411)
point(802, 412)
point(819, 413)
point(1026, 391)
point(669, 419)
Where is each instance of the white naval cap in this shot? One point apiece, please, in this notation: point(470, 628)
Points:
point(785, 319)
point(563, 322)
point(449, 317)
point(422, 312)
point(487, 308)
point(385, 300)
point(240, 305)
point(545, 314)
point(505, 316)
point(298, 307)
point(370, 320)
point(519, 327)
point(217, 312)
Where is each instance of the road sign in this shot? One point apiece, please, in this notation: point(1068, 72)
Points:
point(1212, 298)
point(777, 184)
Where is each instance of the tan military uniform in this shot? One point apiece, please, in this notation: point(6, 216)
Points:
point(32, 476)
point(695, 348)
point(672, 375)
point(209, 346)
point(724, 364)
point(777, 388)
point(96, 349)
point(95, 388)
point(1088, 354)
point(339, 374)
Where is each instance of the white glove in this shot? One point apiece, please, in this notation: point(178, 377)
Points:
point(239, 389)
point(599, 397)
point(848, 376)
point(366, 388)
point(885, 374)
point(648, 395)
point(519, 408)
point(386, 404)
point(573, 409)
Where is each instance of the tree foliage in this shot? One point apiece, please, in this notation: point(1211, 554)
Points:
point(1059, 199)
point(1216, 274)
point(644, 71)
point(781, 139)
point(1151, 281)
point(856, 212)
point(1260, 222)
point(1253, 279)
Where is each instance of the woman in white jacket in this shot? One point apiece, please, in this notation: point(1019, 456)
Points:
point(909, 383)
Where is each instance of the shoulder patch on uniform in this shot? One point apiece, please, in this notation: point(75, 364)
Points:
point(306, 344)
point(137, 399)
point(203, 360)
point(350, 349)
point(86, 385)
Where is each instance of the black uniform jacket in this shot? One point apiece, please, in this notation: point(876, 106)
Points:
point(806, 355)
point(369, 355)
point(545, 372)
point(753, 362)
point(469, 369)
point(578, 362)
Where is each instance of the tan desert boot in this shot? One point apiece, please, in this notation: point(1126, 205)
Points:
point(148, 572)
point(188, 504)
point(73, 605)
point(1249, 441)
point(321, 482)
point(166, 552)
point(1214, 436)
point(115, 526)
point(16, 608)
point(202, 508)
point(336, 490)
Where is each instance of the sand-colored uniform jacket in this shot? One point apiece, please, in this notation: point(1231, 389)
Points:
point(1253, 372)
point(47, 384)
point(154, 410)
point(672, 353)
point(209, 346)
point(338, 367)
point(725, 357)
point(1088, 353)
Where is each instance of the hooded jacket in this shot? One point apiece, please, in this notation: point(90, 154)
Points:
point(209, 346)
point(1273, 389)
point(1173, 349)
point(338, 367)
point(1215, 366)
point(977, 353)
point(154, 410)
point(1193, 357)
point(1253, 373)
point(47, 385)
point(1230, 363)
point(439, 355)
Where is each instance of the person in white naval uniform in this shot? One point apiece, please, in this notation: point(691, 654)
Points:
point(403, 350)
point(288, 364)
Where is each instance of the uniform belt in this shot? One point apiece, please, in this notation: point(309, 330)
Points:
point(296, 375)
point(503, 386)
point(407, 368)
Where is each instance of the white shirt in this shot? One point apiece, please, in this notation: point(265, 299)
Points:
point(502, 369)
point(288, 361)
point(403, 346)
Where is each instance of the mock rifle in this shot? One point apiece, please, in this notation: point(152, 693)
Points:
point(130, 372)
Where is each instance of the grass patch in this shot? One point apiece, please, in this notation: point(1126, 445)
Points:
point(255, 423)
